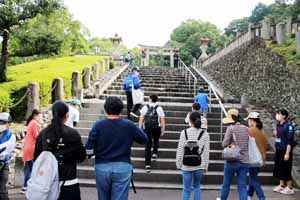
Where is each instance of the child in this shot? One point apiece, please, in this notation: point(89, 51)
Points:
point(202, 99)
point(196, 107)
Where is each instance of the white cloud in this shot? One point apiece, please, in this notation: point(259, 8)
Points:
point(151, 22)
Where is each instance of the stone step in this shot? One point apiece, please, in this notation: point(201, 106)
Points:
point(170, 164)
point(171, 153)
point(172, 176)
point(160, 85)
point(157, 89)
point(150, 92)
point(169, 120)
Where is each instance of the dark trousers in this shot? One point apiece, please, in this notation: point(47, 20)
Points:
point(71, 192)
point(27, 172)
point(130, 105)
point(3, 180)
point(153, 139)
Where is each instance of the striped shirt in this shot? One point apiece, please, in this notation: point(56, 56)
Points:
point(193, 134)
point(241, 133)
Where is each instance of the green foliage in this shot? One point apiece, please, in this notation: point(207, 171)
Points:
point(137, 55)
point(237, 25)
point(4, 99)
point(56, 34)
point(112, 64)
point(43, 71)
point(288, 51)
point(189, 34)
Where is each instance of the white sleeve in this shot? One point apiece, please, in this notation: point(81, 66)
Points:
point(187, 119)
point(144, 110)
point(160, 112)
point(76, 116)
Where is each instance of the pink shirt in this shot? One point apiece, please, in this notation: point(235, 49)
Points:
point(33, 130)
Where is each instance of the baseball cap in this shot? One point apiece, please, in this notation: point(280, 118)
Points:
point(75, 102)
point(5, 117)
point(253, 115)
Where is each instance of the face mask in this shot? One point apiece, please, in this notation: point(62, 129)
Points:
point(278, 117)
point(3, 128)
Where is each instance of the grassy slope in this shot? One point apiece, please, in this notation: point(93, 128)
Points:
point(43, 71)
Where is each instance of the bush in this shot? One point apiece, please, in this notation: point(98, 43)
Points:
point(112, 64)
point(43, 72)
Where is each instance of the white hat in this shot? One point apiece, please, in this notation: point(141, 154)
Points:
point(5, 117)
point(253, 115)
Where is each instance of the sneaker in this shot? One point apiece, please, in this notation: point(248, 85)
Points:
point(148, 168)
point(249, 198)
point(154, 156)
point(287, 190)
point(218, 198)
point(134, 115)
point(278, 188)
point(23, 190)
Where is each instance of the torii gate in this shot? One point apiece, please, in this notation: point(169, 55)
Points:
point(157, 50)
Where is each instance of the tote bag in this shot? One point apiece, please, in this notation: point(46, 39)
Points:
point(255, 158)
point(137, 96)
point(232, 152)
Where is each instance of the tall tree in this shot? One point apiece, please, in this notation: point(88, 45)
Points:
point(15, 13)
point(237, 25)
point(259, 12)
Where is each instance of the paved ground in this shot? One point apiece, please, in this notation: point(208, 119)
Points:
point(91, 194)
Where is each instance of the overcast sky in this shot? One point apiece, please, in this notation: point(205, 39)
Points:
point(151, 22)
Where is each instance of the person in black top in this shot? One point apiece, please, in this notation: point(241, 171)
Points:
point(66, 142)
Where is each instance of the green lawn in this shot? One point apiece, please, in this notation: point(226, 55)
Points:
point(43, 71)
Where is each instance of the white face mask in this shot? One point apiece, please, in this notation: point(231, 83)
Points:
point(278, 117)
point(3, 128)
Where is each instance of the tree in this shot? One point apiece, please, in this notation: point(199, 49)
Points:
point(259, 12)
point(237, 25)
point(189, 33)
point(15, 13)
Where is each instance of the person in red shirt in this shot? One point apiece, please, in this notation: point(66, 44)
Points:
point(33, 130)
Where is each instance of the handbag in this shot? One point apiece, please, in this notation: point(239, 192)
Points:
point(232, 152)
point(255, 158)
point(137, 96)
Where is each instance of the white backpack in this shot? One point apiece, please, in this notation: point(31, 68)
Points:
point(44, 181)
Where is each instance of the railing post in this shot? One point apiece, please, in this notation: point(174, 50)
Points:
point(33, 97)
point(221, 136)
point(189, 81)
point(58, 89)
point(86, 77)
point(75, 84)
point(209, 98)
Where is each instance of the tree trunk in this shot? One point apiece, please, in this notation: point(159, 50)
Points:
point(4, 56)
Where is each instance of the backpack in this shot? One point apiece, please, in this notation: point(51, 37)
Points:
point(151, 118)
point(44, 181)
point(192, 156)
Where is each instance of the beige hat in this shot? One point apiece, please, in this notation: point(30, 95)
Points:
point(253, 115)
point(228, 119)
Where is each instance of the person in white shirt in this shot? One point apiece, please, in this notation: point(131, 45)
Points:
point(152, 120)
point(196, 107)
point(73, 115)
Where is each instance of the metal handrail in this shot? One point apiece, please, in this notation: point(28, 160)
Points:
point(187, 74)
point(212, 89)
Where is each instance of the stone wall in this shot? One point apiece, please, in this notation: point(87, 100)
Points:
point(261, 75)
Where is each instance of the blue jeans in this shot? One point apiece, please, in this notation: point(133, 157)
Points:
point(255, 184)
point(27, 172)
point(230, 170)
point(113, 180)
point(191, 182)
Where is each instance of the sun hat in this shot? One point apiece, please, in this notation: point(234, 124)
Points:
point(5, 117)
point(228, 119)
point(252, 115)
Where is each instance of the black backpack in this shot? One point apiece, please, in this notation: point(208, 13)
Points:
point(151, 118)
point(192, 156)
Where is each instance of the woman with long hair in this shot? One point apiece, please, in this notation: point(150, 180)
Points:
point(59, 137)
point(256, 130)
point(192, 175)
point(32, 132)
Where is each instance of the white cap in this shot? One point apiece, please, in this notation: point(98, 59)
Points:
point(253, 115)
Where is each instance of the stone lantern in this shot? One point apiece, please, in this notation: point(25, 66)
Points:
point(116, 40)
point(204, 47)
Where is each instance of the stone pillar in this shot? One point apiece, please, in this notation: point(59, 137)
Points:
point(171, 58)
point(298, 42)
point(86, 77)
point(103, 66)
point(75, 84)
point(250, 31)
point(194, 62)
point(266, 29)
point(97, 90)
point(238, 34)
point(58, 91)
point(107, 63)
point(80, 95)
point(244, 100)
point(289, 27)
point(96, 71)
point(33, 98)
point(280, 34)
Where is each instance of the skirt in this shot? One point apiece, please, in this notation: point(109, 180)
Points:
point(283, 169)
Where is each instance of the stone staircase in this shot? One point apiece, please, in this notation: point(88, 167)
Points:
point(176, 99)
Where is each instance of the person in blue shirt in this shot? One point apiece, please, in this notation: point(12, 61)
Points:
point(132, 80)
point(7, 146)
point(202, 99)
point(284, 137)
point(110, 140)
